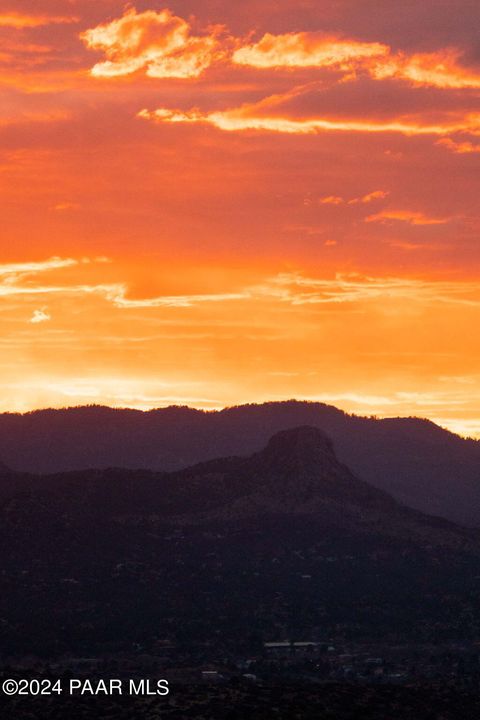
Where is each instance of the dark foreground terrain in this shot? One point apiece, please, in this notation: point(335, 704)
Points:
point(291, 701)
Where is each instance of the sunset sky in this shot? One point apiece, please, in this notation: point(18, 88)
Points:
point(211, 203)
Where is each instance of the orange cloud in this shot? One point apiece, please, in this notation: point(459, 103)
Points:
point(246, 118)
point(20, 21)
point(159, 43)
point(439, 69)
point(364, 199)
point(463, 148)
point(306, 49)
point(118, 295)
point(65, 206)
point(370, 197)
point(332, 200)
point(408, 216)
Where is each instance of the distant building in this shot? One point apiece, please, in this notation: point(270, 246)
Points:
point(211, 676)
point(287, 647)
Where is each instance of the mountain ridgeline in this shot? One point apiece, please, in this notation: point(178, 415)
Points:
point(414, 460)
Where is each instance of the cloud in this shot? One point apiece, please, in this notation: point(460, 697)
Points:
point(118, 295)
point(440, 69)
point(292, 288)
point(370, 197)
point(161, 44)
point(332, 200)
point(298, 289)
point(34, 290)
point(22, 269)
point(253, 117)
point(306, 49)
point(17, 279)
point(408, 216)
point(20, 21)
point(158, 42)
point(40, 316)
point(65, 206)
point(462, 148)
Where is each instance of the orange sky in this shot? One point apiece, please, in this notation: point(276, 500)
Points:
point(216, 203)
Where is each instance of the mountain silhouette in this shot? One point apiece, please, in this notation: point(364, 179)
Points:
point(414, 460)
point(296, 474)
point(218, 556)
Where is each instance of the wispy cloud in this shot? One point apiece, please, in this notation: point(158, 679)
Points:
point(363, 199)
point(407, 216)
point(246, 118)
point(18, 279)
point(298, 289)
point(20, 21)
point(22, 278)
point(118, 295)
point(21, 269)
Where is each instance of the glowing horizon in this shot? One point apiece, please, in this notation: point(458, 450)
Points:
point(220, 205)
